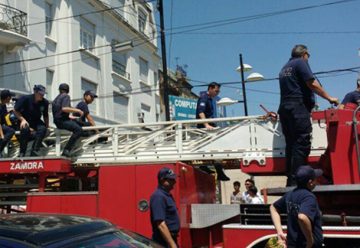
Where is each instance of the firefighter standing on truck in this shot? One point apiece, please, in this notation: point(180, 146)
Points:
point(297, 87)
point(6, 132)
point(205, 110)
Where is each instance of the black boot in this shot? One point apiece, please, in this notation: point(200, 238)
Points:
point(24, 138)
point(220, 173)
point(35, 148)
point(66, 153)
point(206, 169)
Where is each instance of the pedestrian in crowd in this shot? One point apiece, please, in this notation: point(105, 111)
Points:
point(253, 197)
point(205, 110)
point(245, 198)
point(303, 213)
point(351, 99)
point(61, 108)
point(235, 197)
point(164, 215)
point(6, 132)
point(29, 110)
point(297, 99)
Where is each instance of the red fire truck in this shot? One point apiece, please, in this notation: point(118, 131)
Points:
point(114, 179)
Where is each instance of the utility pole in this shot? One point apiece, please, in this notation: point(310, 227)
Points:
point(163, 54)
point(243, 84)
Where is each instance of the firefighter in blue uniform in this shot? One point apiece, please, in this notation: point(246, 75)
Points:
point(29, 109)
point(205, 110)
point(297, 87)
point(303, 212)
point(352, 99)
point(205, 105)
point(164, 216)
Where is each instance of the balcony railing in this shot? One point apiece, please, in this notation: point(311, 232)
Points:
point(13, 20)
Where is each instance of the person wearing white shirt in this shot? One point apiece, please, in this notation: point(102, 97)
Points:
point(245, 195)
point(236, 196)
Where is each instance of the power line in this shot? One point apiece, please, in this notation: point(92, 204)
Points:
point(224, 22)
point(136, 91)
point(82, 14)
point(68, 62)
point(183, 32)
point(275, 33)
point(73, 51)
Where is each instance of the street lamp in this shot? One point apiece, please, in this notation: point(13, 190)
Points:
point(252, 77)
point(226, 101)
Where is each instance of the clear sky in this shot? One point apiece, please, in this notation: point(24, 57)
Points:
point(264, 32)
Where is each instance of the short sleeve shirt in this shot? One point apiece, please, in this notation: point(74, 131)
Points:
point(300, 201)
point(205, 105)
point(84, 108)
point(292, 79)
point(163, 208)
point(352, 97)
point(3, 112)
point(62, 100)
point(31, 110)
point(236, 199)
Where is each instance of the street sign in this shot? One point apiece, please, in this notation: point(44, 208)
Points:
point(182, 108)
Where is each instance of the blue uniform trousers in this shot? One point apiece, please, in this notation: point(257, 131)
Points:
point(297, 128)
point(73, 127)
point(26, 135)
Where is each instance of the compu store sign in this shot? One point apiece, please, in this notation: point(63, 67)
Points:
point(182, 108)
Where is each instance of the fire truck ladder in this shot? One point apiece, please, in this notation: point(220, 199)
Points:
point(248, 138)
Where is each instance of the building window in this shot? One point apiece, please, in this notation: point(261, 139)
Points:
point(156, 79)
point(119, 63)
point(87, 85)
point(121, 104)
point(48, 18)
point(144, 70)
point(49, 82)
point(142, 21)
point(146, 109)
point(87, 34)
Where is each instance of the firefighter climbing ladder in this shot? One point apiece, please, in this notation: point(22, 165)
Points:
point(247, 138)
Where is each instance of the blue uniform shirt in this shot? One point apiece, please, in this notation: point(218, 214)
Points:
point(163, 208)
point(352, 97)
point(205, 105)
point(62, 100)
point(292, 78)
point(31, 110)
point(84, 108)
point(300, 201)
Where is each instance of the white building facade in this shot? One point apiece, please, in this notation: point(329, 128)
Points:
point(107, 46)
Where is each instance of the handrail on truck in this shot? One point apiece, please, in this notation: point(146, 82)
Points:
point(355, 122)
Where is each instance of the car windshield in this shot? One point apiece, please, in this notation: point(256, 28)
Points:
point(120, 239)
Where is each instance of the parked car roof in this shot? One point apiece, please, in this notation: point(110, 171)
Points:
point(54, 230)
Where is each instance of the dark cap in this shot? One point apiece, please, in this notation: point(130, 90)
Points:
point(166, 173)
point(40, 89)
point(6, 93)
point(305, 173)
point(64, 87)
point(90, 93)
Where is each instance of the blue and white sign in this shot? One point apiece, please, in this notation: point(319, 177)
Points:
point(182, 108)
